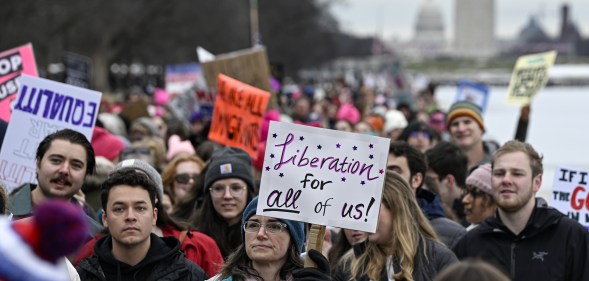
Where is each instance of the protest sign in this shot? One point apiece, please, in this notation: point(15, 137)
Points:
point(529, 76)
point(570, 193)
point(237, 115)
point(323, 176)
point(13, 63)
point(473, 92)
point(249, 66)
point(78, 70)
point(42, 107)
point(183, 77)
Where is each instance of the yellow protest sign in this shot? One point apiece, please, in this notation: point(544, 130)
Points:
point(530, 75)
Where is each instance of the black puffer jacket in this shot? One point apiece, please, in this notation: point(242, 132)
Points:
point(164, 261)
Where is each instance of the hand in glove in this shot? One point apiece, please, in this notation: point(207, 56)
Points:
point(322, 272)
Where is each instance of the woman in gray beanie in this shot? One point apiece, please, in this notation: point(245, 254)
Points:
point(228, 188)
point(270, 250)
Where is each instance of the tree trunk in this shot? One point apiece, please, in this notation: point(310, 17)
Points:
point(100, 68)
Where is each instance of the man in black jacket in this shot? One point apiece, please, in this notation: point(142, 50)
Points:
point(527, 240)
point(131, 251)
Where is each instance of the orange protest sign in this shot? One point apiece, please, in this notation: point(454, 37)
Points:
point(237, 114)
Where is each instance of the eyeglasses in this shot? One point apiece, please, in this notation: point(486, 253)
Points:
point(184, 178)
point(473, 191)
point(218, 190)
point(271, 227)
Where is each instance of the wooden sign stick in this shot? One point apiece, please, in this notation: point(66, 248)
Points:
point(315, 239)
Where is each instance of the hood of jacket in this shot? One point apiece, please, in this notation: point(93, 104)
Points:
point(430, 204)
point(161, 248)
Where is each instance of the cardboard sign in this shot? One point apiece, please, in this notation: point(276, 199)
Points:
point(530, 75)
point(323, 176)
point(570, 193)
point(473, 92)
point(42, 107)
point(13, 63)
point(237, 115)
point(183, 77)
point(249, 66)
point(78, 70)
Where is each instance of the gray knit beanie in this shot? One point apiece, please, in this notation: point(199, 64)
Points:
point(147, 169)
point(230, 162)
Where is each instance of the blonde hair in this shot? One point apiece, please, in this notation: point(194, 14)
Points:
point(410, 229)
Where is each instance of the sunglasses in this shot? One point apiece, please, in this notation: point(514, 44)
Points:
point(185, 178)
point(135, 151)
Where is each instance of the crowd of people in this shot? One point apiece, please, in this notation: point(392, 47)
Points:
point(160, 201)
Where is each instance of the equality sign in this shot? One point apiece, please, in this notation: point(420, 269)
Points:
point(249, 66)
point(42, 107)
point(570, 193)
point(12, 63)
point(529, 76)
point(473, 92)
point(323, 176)
point(237, 115)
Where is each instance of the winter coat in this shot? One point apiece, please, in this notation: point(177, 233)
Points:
point(447, 230)
point(425, 268)
point(550, 247)
point(163, 262)
point(198, 248)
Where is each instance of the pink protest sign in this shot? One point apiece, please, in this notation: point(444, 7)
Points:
point(13, 63)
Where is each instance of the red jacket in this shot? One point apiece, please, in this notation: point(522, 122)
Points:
point(198, 248)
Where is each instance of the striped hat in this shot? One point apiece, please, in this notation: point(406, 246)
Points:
point(468, 109)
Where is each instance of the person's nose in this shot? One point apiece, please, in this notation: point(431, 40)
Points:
point(466, 200)
point(130, 216)
point(262, 233)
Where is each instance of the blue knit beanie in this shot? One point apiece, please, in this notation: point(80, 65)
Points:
point(296, 229)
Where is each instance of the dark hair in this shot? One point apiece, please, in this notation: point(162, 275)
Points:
point(415, 159)
point(74, 137)
point(128, 176)
point(206, 149)
point(239, 265)
point(209, 222)
point(470, 269)
point(339, 248)
point(448, 159)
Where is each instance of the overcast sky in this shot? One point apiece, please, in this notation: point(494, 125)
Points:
point(396, 18)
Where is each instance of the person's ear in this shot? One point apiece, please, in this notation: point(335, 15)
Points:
point(104, 220)
point(450, 181)
point(537, 182)
point(154, 221)
point(416, 180)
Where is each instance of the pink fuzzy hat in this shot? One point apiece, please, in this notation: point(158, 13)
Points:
point(177, 146)
point(349, 113)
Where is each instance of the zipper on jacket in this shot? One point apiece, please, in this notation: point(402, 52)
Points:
point(512, 264)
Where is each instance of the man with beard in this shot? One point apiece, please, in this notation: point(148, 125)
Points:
point(63, 159)
point(526, 240)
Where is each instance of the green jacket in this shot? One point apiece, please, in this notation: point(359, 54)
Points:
point(21, 206)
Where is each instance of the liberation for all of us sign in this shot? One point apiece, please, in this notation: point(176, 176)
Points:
point(323, 176)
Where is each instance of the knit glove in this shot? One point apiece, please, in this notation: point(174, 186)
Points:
point(321, 272)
